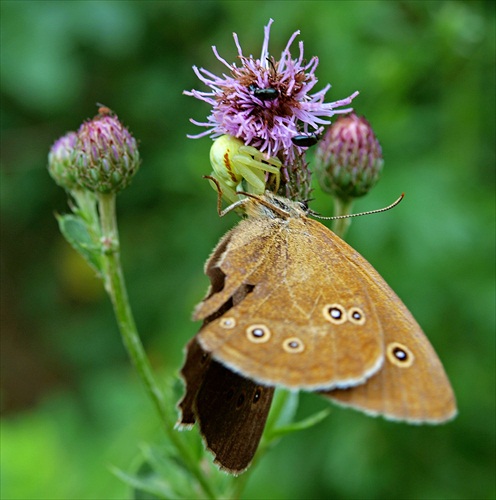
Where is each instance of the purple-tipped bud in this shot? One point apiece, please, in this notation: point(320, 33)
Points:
point(349, 158)
point(61, 161)
point(107, 154)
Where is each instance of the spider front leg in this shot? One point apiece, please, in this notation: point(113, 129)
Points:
point(238, 167)
point(227, 189)
point(252, 158)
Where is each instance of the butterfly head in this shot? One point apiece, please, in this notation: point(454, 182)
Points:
point(272, 206)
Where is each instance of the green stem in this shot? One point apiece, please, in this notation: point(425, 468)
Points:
point(114, 284)
point(342, 207)
point(116, 288)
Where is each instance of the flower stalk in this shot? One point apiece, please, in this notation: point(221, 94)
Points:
point(115, 286)
point(342, 207)
point(264, 116)
point(93, 165)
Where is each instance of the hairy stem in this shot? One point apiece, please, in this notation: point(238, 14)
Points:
point(116, 288)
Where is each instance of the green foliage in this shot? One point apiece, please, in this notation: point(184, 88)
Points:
point(77, 234)
point(426, 76)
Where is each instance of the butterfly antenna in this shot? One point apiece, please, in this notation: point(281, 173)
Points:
point(347, 216)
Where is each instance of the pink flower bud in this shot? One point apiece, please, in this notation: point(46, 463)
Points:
point(107, 154)
point(349, 158)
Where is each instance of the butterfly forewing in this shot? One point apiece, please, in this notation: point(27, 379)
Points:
point(304, 324)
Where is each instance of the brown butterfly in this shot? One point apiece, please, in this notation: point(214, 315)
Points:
point(292, 305)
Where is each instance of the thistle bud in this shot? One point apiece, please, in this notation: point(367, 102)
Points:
point(61, 161)
point(107, 154)
point(349, 158)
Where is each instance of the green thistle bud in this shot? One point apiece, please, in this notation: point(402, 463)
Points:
point(349, 158)
point(61, 161)
point(107, 154)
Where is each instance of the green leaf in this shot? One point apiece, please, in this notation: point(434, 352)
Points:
point(161, 475)
point(301, 425)
point(75, 231)
point(283, 410)
point(149, 487)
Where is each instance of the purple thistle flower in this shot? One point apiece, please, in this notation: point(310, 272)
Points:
point(266, 102)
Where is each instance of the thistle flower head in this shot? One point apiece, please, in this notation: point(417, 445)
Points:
point(265, 102)
point(348, 159)
point(61, 161)
point(106, 155)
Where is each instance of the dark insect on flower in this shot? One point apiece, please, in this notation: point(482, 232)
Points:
point(305, 141)
point(268, 94)
point(285, 85)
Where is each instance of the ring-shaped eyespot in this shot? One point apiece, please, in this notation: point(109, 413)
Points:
point(399, 355)
point(335, 313)
point(257, 395)
point(293, 345)
point(258, 334)
point(204, 357)
point(227, 323)
point(356, 316)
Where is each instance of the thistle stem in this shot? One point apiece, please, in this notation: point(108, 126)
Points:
point(116, 288)
point(342, 207)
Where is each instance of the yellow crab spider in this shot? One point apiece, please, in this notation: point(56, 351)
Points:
point(238, 167)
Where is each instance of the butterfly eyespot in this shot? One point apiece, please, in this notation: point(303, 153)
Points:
point(356, 316)
point(240, 401)
point(335, 313)
point(227, 323)
point(258, 334)
point(257, 395)
point(399, 355)
point(293, 345)
point(204, 358)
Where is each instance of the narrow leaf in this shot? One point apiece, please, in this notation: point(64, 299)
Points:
point(75, 231)
point(301, 425)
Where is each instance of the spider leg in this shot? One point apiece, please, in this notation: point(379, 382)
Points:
point(254, 178)
point(227, 190)
point(256, 159)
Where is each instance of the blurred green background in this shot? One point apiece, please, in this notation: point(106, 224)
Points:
point(71, 404)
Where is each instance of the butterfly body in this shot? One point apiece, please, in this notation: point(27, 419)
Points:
point(290, 304)
point(317, 315)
